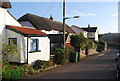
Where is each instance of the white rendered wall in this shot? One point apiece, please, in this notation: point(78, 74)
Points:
point(15, 57)
point(91, 35)
point(5, 19)
point(44, 46)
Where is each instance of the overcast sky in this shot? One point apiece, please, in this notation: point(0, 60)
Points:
point(104, 15)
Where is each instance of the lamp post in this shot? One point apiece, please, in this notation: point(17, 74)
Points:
point(64, 28)
point(64, 18)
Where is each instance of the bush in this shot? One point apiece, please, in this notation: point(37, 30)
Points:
point(68, 50)
point(101, 46)
point(28, 69)
point(12, 72)
point(41, 65)
point(59, 55)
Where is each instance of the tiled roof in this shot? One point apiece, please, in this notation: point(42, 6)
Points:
point(5, 4)
point(24, 30)
point(42, 23)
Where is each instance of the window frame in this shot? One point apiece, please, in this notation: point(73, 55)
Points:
point(14, 43)
point(34, 42)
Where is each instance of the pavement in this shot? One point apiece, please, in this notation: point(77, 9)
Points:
point(97, 66)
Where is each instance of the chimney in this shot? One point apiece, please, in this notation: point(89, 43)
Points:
point(88, 26)
point(51, 18)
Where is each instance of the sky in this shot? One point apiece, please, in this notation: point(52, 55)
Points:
point(103, 15)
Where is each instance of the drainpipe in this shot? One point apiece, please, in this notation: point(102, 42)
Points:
point(27, 50)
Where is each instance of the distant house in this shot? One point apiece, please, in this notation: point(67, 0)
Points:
point(48, 26)
point(33, 44)
point(88, 32)
point(92, 32)
point(79, 30)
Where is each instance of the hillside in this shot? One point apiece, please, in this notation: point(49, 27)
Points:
point(112, 39)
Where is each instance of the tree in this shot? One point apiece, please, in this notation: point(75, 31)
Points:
point(79, 41)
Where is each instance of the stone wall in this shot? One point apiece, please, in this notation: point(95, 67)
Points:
point(90, 52)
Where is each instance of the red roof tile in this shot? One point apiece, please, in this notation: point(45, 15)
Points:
point(27, 30)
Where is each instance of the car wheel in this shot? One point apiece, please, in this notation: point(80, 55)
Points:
point(117, 74)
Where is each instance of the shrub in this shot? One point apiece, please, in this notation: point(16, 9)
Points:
point(50, 63)
point(12, 72)
point(101, 46)
point(68, 50)
point(59, 55)
point(42, 65)
point(28, 69)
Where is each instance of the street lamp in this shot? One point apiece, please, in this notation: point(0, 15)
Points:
point(64, 18)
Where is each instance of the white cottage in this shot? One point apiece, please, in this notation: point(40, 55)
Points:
point(88, 32)
point(32, 43)
point(92, 32)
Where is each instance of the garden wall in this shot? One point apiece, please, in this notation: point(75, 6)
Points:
point(90, 52)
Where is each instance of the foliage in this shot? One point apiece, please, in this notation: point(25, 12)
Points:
point(8, 50)
point(101, 46)
point(82, 42)
point(68, 49)
point(28, 69)
point(72, 57)
point(75, 41)
point(112, 38)
point(42, 65)
point(59, 55)
point(12, 72)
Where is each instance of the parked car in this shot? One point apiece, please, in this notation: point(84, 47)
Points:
point(118, 71)
point(117, 59)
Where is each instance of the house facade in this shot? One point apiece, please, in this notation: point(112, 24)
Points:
point(33, 44)
point(92, 32)
point(88, 32)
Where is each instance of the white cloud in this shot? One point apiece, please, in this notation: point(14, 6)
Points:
point(114, 15)
point(83, 14)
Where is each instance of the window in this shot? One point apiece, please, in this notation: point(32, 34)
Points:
point(34, 45)
point(12, 41)
point(91, 34)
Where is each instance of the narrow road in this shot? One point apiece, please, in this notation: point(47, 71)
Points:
point(98, 66)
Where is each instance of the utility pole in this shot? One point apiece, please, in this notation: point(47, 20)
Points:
point(64, 24)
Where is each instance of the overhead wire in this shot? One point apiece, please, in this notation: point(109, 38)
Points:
point(48, 9)
point(58, 10)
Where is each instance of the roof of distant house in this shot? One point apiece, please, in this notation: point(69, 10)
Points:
point(78, 27)
point(5, 4)
point(57, 38)
point(90, 29)
point(42, 23)
point(25, 31)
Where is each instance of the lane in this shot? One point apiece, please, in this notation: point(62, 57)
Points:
point(99, 66)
